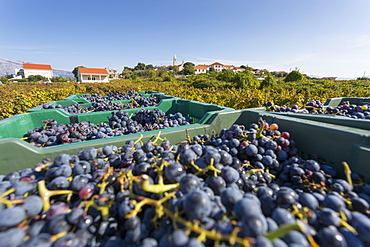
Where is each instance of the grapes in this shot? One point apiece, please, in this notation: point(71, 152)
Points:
point(197, 205)
point(238, 188)
point(119, 123)
point(12, 216)
point(344, 109)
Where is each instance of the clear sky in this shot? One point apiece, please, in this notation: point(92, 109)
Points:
point(320, 37)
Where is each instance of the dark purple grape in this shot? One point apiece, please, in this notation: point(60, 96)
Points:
point(33, 205)
point(197, 205)
point(189, 183)
point(12, 216)
point(12, 237)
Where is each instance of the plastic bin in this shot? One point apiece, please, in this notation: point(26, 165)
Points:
point(143, 93)
point(18, 154)
point(332, 144)
point(329, 118)
point(334, 102)
point(84, 103)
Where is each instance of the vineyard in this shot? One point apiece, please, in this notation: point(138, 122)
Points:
point(16, 98)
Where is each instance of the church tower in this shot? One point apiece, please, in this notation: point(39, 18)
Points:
point(174, 60)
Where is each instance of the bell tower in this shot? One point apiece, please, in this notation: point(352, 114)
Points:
point(174, 60)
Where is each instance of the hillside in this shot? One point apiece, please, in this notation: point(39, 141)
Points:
point(8, 66)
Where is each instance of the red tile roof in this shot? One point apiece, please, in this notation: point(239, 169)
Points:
point(93, 71)
point(238, 68)
point(201, 66)
point(36, 66)
point(228, 66)
point(216, 63)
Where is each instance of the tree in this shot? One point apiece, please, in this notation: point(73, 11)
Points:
point(140, 66)
point(149, 67)
point(268, 81)
point(152, 74)
point(245, 79)
point(295, 75)
point(226, 75)
point(189, 63)
point(36, 78)
point(75, 71)
point(188, 69)
point(127, 72)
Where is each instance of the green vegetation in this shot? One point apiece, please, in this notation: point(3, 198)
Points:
point(295, 75)
point(238, 91)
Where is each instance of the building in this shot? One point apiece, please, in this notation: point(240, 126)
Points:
point(34, 69)
point(218, 67)
point(112, 73)
point(201, 69)
point(92, 75)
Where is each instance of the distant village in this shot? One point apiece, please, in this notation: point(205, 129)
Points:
point(105, 74)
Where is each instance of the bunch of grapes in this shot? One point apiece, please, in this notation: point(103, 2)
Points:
point(316, 107)
point(103, 104)
point(120, 123)
point(247, 186)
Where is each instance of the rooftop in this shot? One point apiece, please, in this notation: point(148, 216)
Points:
point(36, 66)
point(93, 71)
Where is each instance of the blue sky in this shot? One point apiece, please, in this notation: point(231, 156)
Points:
point(320, 37)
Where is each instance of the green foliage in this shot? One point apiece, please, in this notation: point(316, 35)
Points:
point(140, 66)
point(167, 76)
point(245, 80)
point(36, 78)
point(295, 75)
point(269, 80)
point(152, 74)
point(226, 75)
point(127, 72)
point(60, 79)
point(3, 79)
point(189, 63)
point(75, 71)
point(189, 69)
point(363, 78)
point(16, 98)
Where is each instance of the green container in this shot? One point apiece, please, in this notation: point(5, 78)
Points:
point(84, 103)
point(334, 102)
point(330, 118)
point(143, 93)
point(17, 154)
point(333, 144)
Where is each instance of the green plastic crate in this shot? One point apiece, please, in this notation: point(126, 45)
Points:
point(143, 93)
point(329, 118)
point(17, 154)
point(334, 102)
point(333, 144)
point(84, 103)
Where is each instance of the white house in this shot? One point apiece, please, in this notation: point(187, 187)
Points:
point(92, 75)
point(218, 67)
point(35, 69)
point(112, 73)
point(201, 69)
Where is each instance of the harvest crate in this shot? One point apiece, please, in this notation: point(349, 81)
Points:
point(329, 118)
point(330, 143)
point(18, 154)
point(84, 103)
point(143, 93)
point(334, 102)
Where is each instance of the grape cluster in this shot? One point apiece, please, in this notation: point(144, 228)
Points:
point(102, 104)
point(244, 187)
point(120, 123)
point(95, 97)
point(316, 107)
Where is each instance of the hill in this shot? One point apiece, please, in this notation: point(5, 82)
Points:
point(8, 67)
